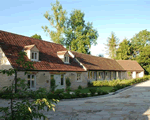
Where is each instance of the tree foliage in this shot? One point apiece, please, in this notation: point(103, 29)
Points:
point(112, 43)
point(124, 50)
point(71, 32)
point(140, 40)
point(78, 34)
point(36, 36)
point(57, 21)
point(144, 58)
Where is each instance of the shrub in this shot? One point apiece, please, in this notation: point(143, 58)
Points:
point(53, 85)
point(92, 91)
point(59, 91)
point(68, 83)
point(90, 84)
point(80, 87)
point(99, 91)
point(77, 92)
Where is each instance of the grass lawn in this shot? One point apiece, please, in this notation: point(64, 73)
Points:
point(86, 90)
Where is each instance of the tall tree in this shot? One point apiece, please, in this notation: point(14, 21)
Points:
point(57, 21)
point(123, 52)
point(112, 43)
point(79, 35)
point(140, 40)
point(144, 58)
point(37, 36)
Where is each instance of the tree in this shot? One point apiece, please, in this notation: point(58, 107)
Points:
point(73, 33)
point(111, 45)
point(140, 40)
point(123, 52)
point(79, 36)
point(37, 36)
point(57, 21)
point(144, 58)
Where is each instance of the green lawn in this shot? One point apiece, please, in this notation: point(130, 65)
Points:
point(86, 90)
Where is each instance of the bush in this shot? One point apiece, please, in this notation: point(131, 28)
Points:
point(53, 85)
point(90, 84)
point(99, 91)
point(80, 87)
point(59, 92)
point(68, 83)
point(77, 92)
point(92, 91)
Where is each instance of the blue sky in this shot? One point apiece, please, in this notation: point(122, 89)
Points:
point(124, 17)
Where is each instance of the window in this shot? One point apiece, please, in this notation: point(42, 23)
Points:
point(66, 59)
point(34, 56)
point(78, 76)
point(62, 79)
point(31, 81)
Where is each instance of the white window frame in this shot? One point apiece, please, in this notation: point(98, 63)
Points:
point(30, 87)
point(33, 59)
point(79, 78)
point(66, 59)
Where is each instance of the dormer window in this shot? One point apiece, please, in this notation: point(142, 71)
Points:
point(64, 56)
point(66, 59)
point(34, 56)
point(32, 52)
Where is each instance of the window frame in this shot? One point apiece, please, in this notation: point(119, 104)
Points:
point(66, 59)
point(30, 87)
point(35, 54)
point(79, 78)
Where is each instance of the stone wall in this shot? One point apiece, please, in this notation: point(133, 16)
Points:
point(73, 79)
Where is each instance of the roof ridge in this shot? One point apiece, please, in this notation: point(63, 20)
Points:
point(29, 37)
point(94, 56)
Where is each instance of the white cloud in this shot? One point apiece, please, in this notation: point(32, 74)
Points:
point(98, 49)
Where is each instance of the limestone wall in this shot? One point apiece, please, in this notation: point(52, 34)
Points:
point(73, 79)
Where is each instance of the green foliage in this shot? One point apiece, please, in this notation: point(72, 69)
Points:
point(57, 21)
point(72, 32)
point(79, 35)
point(140, 40)
point(92, 91)
point(90, 84)
point(80, 87)
point(53, 85)
point(124, 50)
point(37, 36)
point(68, 83)
point(118, 84)
point(129, 74)
point(144, 58)
point(77, 92)
point(112, 43)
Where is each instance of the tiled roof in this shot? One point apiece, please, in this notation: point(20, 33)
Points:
point(130, 65)
point(97, 63)
point(11, 44)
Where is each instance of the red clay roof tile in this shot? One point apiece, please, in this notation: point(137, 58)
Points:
point(97, 63)
point(130, 65)
point(12, 44)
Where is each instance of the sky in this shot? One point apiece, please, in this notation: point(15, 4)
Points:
point(123, 17)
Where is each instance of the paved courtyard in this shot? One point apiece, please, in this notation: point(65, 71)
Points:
point(129, 104)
